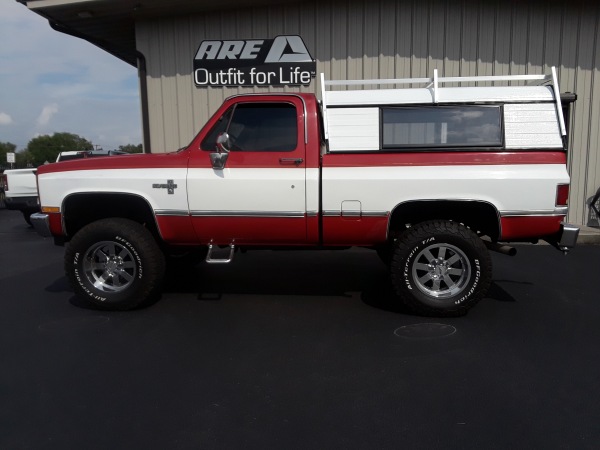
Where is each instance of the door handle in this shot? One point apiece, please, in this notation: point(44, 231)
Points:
point(296, 161)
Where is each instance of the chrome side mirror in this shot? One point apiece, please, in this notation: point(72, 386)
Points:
point(219, 158)
point(223, 143)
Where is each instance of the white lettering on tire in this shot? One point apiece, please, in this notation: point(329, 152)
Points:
point(134, 251)
point(475, 283)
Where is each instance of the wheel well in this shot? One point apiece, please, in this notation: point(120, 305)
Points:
point(481, 217)
point(80, 210)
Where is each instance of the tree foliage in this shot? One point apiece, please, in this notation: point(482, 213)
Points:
point(46, 148)
point(130, 148)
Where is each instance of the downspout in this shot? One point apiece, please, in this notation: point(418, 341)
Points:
point(142, 74)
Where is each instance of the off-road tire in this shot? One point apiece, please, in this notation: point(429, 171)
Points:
point(115, 264)
point(440, 268)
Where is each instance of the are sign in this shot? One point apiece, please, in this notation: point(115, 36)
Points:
point(10, 158)
point(283, 61)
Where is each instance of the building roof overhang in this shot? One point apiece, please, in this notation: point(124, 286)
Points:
point(110, 24)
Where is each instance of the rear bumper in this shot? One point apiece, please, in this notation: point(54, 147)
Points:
point(22, 203)
point(41, 224)
point(568, 235)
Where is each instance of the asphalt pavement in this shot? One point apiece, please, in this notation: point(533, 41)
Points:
point(298, 350)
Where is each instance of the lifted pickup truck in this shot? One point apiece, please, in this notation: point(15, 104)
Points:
point(419, 174)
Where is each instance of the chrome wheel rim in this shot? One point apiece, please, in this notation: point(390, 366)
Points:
point(441, 270)
point(109, 266)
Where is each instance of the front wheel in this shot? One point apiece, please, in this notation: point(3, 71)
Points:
point(115, 264)
point(440, 268)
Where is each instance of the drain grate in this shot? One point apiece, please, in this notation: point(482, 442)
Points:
point(425, 331)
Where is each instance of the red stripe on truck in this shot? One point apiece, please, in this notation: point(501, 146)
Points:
point(338, 230)
point(523, 227)
point(441, 159)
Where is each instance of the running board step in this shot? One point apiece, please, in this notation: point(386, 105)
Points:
point(211, 260)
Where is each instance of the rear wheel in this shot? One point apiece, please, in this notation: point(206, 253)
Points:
point(440, 268)
point(115, 264)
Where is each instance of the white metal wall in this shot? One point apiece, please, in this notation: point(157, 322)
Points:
point(393, 39)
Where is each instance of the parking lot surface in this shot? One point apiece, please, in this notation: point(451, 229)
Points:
point(298, 350)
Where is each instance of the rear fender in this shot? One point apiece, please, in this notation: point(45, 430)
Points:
point(480, 216)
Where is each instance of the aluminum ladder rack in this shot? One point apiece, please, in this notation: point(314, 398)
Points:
point(540, 88)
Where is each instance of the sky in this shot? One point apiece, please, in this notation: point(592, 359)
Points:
point(51, 82)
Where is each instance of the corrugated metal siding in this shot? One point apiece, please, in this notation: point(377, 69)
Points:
point(393, 39)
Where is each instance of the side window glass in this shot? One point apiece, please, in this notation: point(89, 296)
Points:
point(258, 127)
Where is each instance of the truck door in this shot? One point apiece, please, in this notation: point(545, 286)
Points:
point(259, 197)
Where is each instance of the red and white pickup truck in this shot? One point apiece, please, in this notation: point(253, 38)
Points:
point(419, 174)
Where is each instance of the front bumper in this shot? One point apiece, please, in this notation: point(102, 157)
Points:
point(41, 224)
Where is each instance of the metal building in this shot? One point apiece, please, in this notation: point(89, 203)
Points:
point(351, 40)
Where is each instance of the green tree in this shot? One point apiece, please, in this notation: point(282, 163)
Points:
point(24, 159)
point(130, 148)
point(6, 147)
point(46, 148)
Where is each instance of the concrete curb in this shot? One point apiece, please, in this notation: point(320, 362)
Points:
point(588, 236)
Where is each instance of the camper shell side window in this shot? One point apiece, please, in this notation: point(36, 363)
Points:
point(441, 126)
